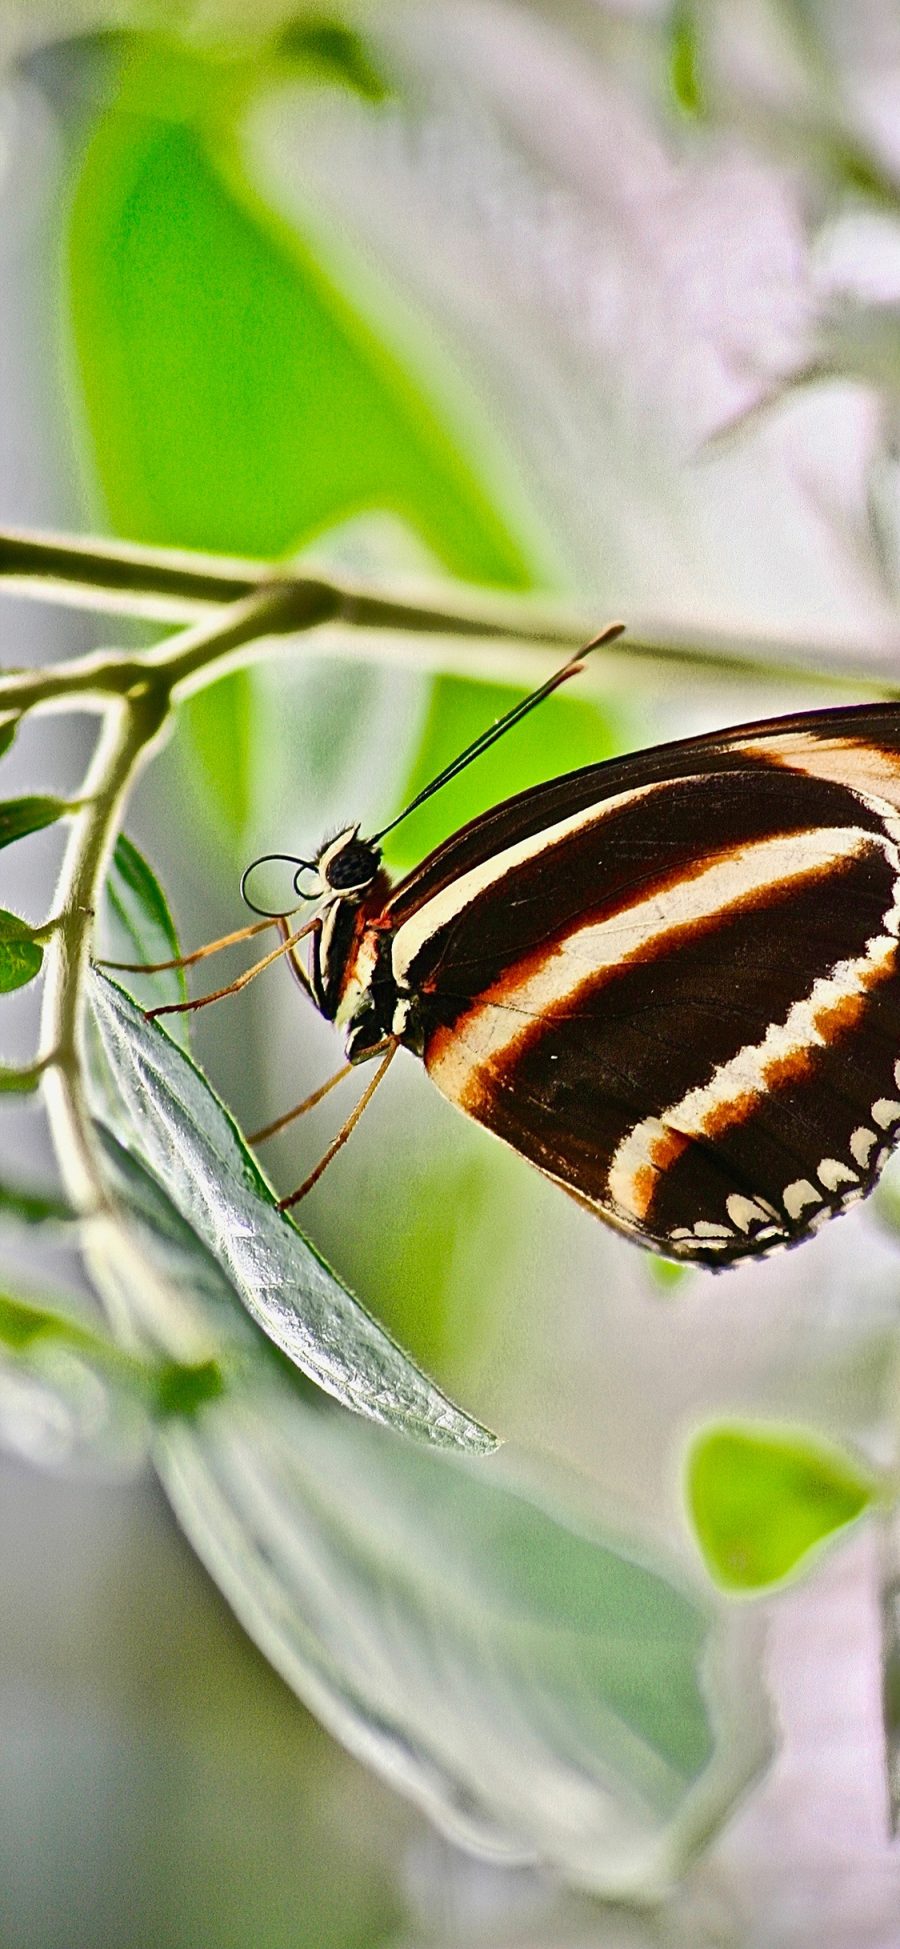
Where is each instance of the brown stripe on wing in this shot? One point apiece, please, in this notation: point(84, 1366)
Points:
point(570, 1086)
point(642, 849)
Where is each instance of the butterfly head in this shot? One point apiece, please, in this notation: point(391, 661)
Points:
point(347, 866)
point(344, 869)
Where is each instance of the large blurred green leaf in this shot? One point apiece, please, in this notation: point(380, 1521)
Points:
point(762, 1499)
point(543, 1691)
point(540, 1690)
point(164, 1111)
point(237, 398)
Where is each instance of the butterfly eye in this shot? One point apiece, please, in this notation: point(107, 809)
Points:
point(352, 868)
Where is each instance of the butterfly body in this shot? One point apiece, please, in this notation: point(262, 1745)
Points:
point(670, 981)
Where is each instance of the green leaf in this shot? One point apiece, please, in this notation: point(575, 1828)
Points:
point(32, 1205)
point(335, 53)
point(8, 729)
point(761, 1500)
point(21, 816)
point(539, 1690)
point(69, 1393)
point(684, 59)
point(22, 1324)
point(165, 1112)
point(20, 954)
point(18, 1082)
point(237, 396)
point(542, 1691)
point(138, 926)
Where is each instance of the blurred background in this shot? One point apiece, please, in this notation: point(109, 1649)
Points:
point(597, 301)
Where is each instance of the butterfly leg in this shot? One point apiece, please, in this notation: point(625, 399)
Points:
point(338, 1142)
point(300, 1109)
point(234, 987)
point(188, 960)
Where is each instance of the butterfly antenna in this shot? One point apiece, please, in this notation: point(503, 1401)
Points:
point(274, 913)
point(504, 724)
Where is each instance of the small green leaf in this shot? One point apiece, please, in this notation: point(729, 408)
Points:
point(684, 59)
point(69, 1393)
point(8, 729)
point(20, 954)
point(335, 52)
point(19, 1082)
point(138, 926)
point(165, 1113)
point(21, 816)
point(666, 1274)
point(34, 1206)
point(761, 1500)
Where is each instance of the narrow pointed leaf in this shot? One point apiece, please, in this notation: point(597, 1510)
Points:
point(167, 1115)
point(138, 926)
point(761, 1500)
point(31, 1204)
point(8, 729)
point(21, 955)
point(21, 816)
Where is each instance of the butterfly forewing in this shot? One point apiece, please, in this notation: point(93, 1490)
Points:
point(671, 981)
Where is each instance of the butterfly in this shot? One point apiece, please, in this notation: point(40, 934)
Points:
point(668, 980)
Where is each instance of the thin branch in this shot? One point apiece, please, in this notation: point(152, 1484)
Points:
point(132, 721)
point(172, 585)
point(167, 583)
point(128, 731)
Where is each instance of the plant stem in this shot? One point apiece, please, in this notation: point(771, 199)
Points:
point(170, 585)
point(133, 715)
point(166, 583)
point(128, 731)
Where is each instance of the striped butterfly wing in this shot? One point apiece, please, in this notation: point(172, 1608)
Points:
point(671, 982)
